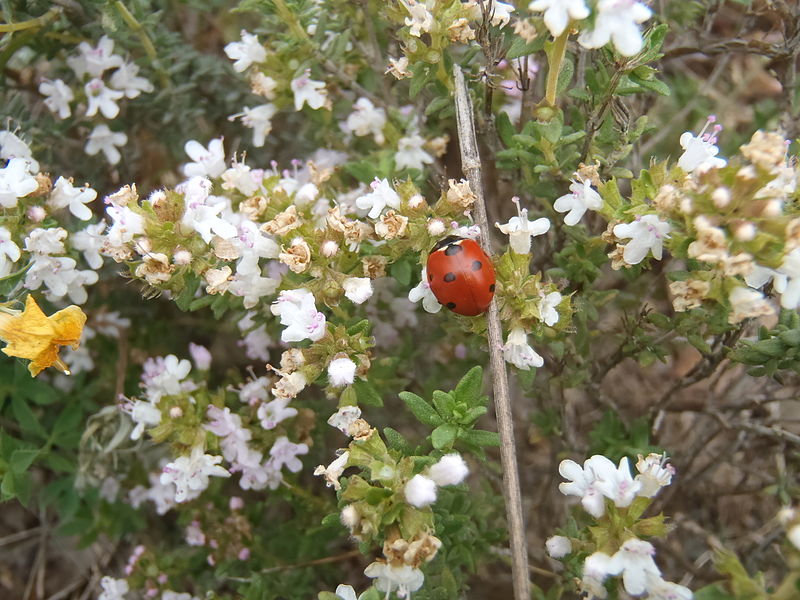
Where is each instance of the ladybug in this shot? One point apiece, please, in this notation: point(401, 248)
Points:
point(461, 275)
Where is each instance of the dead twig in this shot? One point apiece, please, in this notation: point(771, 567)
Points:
point(471, 165)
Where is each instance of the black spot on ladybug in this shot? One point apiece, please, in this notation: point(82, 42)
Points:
point(451, 305)
point(491, 288)
point(453, 249)
point(477, 265)
point(430, 276)
point(450, 277)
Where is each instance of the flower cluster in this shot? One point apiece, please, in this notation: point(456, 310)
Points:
point(103, 78)
point(619, 549)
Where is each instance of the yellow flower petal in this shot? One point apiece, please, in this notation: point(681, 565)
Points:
point(36, 337)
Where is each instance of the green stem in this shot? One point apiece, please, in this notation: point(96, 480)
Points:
point(555, 59)
point(30, 23)
point(141, 33)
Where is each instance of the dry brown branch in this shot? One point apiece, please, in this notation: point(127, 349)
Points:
point(471, 165)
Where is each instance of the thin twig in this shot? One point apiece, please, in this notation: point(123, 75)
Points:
point(309, 563)
point(471, 165)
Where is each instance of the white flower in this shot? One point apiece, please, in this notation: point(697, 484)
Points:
point(700, 152)
point(616, 484)
point(201, 357)
point(126, 224)
point(259, 119)
point(341, 372)
point(126, 78)
point(64, 194)
point(449, 470)
point(598, 478)
point(9, 252)
point(299, 314)
point(252, 288)
point(102, 98)
point(252, 246)
point(113, 589)
point(345, 592)
point(46, 241)
point(343, 418)
point(558, 546)
point(654, 473)
point(334, 470)
point(402, 580)
point(794, 536)
point(646, 233)
point(284, 452)
point(617, 21)
point(582, 198)
point(658, 589)
point(208, 162)
point(520, 230)
point(308, 91)
point(263, 85)
point(15, 182)
point(558, 13)
point(420, 491)
point(410, 154)
point(381, 196)
point(144, 414)
point(95, 61)
point(192, 472)
point(102, 139)
point(747, 303)
point(272, 413)
point(759, 276)
point(201, 216)
point(423, 292)
point(790, 268)
point(519, 353)
point(501, 13)
point(420, 20)
point(246, 52)
point(634, 560)
point(90, 241)
point(13, 147)
point(357, 289)
point(366, 119)
point(547, 308)
point(58, 96)
point(163, 376)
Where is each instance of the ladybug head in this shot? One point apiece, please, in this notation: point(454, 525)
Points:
point(450, 239)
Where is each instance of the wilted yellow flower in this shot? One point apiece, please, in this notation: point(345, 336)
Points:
point(32, 335)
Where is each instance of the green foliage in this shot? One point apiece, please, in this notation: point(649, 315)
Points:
point(453, 415)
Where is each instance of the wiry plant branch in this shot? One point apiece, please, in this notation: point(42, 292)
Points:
point(471, 165)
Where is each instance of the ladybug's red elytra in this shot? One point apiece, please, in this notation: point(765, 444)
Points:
point(461, 275)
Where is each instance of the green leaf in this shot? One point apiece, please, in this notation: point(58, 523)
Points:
point(505, 129)
point(423, 411)
point(444, 404)
point(190, 285)
point(367, 394)
point(26, 418)
point(401, 271)
point(444, 436)
point(395, 441)
point(437, 105)
point(712, 592)
point(468, 390)
point(22, 459)
point(480, 437)
point(565, 76)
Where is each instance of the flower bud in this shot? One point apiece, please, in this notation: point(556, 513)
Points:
point(329, 248)
point(176, 412)
point(420, 491)
point(350, 517)
point(341, 372)
point(450, 470)
point(558, 546)
point(182, 257)
point(436, 227)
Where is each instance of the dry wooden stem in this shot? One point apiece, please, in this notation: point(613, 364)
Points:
point(471, 165)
